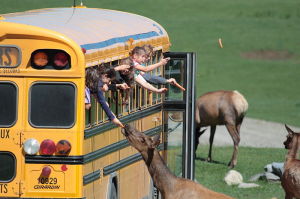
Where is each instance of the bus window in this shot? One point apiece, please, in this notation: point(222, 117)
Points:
point(174, 138)
point(50, 59)
point(10, 56)
point(8, 166)
point(8, 104)
point(94, 110)
point(52, 105)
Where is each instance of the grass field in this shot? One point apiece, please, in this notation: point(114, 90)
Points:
point(251, 161)
point(270, 85)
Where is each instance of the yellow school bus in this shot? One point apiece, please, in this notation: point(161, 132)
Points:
point(50, 146)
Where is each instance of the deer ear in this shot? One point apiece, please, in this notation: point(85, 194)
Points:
point(289, 130)
point(155, 141)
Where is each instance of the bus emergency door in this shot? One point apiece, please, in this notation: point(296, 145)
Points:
point(11, 137)
point(178, 114)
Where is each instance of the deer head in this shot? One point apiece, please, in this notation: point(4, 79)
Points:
point(139, 140)
point(288, 142)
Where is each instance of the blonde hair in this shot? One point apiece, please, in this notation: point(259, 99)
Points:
point(148, 49)
point(138, 51)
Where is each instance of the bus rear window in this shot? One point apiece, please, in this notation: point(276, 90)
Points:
point(52, 105)
point(7, 167)
point(8, 104)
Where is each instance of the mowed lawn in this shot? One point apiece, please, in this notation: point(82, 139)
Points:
point(251, 161)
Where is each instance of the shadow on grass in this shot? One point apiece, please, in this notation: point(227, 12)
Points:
point(212, 161)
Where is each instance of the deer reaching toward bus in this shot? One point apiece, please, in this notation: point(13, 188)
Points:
point(170, 186)
point(221, 108)
point(290, 179)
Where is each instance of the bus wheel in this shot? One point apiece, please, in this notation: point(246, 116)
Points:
point(113, 191)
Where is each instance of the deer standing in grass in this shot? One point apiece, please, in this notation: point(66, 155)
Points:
point(290, 179)
point(170, 186)
point(221, 108)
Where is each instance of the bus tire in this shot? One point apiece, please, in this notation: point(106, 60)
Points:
point(113, 191)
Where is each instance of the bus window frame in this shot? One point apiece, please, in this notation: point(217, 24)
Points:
point(53, 127)
point(19, 58)
point(17, 99)
point(15, 166)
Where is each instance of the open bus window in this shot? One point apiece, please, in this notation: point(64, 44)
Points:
point(8, 104)
point(7, 167)
point(50, 59)
point(52, 105)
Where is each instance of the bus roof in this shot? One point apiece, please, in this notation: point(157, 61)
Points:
point(96, 29)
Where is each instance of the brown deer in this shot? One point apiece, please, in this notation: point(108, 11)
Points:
point(170, 186)
point(221, 108)
point(290, 179)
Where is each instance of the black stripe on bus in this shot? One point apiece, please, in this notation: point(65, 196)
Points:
point(128, 118)
point(77, 160)
point(38, 159)
point(115, 146)
point(124, 162)
point(91, 177)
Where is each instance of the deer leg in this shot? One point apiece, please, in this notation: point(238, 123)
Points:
point(198, 133)
point(236, 140)
point(211, 140)
point(288, 196)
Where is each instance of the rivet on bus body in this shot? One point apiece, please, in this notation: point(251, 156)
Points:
point(46, 171)
point(64, 167)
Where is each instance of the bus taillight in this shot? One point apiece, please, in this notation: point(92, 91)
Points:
point(60, 60)
point(46, 171)
point(63, 147)
point(47, 147)
point(31, 146)
point(40, 59)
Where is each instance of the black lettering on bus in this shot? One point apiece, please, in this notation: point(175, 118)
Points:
point(3, 188)
point(4, 133)
point(7, 51)
point(42, 180)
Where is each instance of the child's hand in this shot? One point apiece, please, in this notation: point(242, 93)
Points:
point(162, 90)
point(123, 86)
point(104, 88)
point(171, 81)
point(164, 61)
point(117, 122)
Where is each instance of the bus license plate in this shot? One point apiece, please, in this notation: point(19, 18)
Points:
point(55, 182)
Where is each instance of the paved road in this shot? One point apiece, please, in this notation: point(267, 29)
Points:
point(254, 133)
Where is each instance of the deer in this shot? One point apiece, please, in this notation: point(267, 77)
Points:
point(220, 108)
point(290, 180)
point(169, 185)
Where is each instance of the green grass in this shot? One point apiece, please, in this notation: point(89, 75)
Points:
point(271, 87)
point(251, 161)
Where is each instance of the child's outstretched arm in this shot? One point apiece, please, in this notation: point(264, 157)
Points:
point(105, 107)
point(141, 81)
point(153, 66)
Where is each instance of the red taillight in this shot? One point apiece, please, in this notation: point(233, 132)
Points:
point(83, 50)
point(60, 60)
point(64, 167)
point(46, 171)
point(47, 147)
